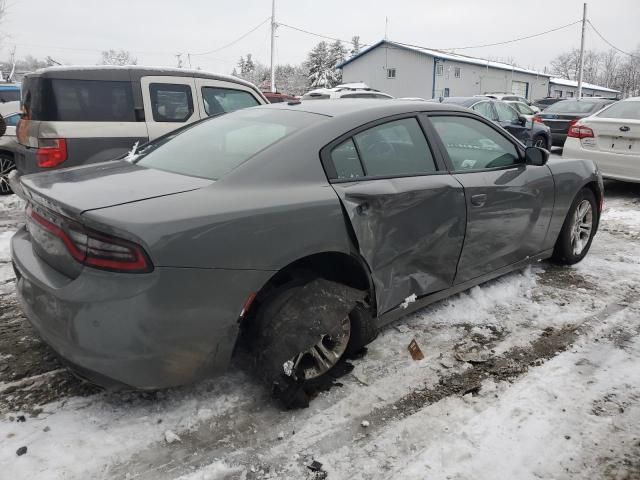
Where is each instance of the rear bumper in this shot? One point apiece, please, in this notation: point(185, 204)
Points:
point(166, 328)
point(612, 165)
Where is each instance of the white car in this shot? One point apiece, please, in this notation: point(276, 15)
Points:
point(510, 97)
point(611, 138)
point(346, 90)
point(10, 111)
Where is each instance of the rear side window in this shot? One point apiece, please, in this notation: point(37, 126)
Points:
point(171, 102)
point(396, 148)
point(213, 148)
point(84, 101)
point(9, 95)
point(485, 109)
point(505, 112)
point(629, 110)
point(224, 100)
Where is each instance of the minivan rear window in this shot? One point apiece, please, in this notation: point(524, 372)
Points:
point(213, 148)
point(573, 106)
point(66, 100)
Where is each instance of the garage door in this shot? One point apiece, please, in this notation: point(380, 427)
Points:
point(519, 88)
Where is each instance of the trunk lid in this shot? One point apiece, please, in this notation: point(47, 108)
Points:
point(615, 135)
point(58, 198)
point(559, 123)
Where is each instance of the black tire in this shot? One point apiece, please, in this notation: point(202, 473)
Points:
point(565, 250)
point(277, 338)
point(7, 165)
point(541, 141)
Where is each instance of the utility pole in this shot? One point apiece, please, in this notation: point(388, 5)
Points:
point(581, 69)
point(274, 25)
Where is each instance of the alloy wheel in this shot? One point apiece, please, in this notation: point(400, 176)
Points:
point(322, 357)
point(582, 226)
point(6, 166)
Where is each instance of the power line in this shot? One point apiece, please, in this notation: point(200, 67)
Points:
point(608, 42)
point(236, 40)
point(326, 37)
point(506, 41)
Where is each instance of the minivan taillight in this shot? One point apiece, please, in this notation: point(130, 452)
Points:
point(538, 119)
point(51, 152)
point(93, 248)
point(579, 131)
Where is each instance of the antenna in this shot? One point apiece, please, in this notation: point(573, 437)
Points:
point(274, 25)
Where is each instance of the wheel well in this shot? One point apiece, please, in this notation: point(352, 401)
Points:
point(593, 186)
point(7, 152)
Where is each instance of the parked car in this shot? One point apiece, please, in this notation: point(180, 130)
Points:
point(80, 115)
point(611, 138)
point(301, 229)
point(510, 97)
point(9, 92)
point(543, 103)
point(10, 111)
point(503, 114)
point(560, 116)
point(277, 97)
point(346, 90)
point(524, 110)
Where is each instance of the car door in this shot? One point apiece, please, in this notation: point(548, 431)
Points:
point(407, 212)
point(485, 109)
point(169, 103)
point(509, 204)
point(509, 119)
point(217, 96)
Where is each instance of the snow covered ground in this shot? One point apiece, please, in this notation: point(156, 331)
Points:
point(534, 375)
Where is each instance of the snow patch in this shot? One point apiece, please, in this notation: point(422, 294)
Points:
point(409, 300)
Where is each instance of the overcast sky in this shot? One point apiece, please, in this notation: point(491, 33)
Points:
point(156, 30)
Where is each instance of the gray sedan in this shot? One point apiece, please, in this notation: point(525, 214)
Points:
point(298, 230)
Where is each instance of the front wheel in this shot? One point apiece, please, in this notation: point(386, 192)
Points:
point(578, 229)
point(7, 165)
point(540, 141)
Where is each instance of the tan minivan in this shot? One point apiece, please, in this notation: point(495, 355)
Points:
point(79, 115)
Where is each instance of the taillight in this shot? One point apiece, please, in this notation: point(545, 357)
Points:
point(51, 152)
point(537, 119)
point(579, 131)
point(92, 248)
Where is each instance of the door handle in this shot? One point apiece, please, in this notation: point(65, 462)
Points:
point(479, 200)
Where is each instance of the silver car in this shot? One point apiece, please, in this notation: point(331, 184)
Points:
point(10, 112)
point(299, 229)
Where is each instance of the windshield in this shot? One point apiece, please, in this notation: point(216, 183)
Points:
point(628, 109)
point(573, 106)
point(214, 147)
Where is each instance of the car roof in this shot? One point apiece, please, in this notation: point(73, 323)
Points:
point(467, 101)
point(128, 72)
point(374, 106)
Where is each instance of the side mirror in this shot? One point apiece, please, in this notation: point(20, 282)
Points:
point(522, 121)
point(536, 156)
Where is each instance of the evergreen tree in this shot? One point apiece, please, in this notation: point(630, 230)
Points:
point(321, 70)
point(337, 55)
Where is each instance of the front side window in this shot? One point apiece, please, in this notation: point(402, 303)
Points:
point(473, 145)
point(629, 110)
point(223, 100)
point(485, 109)
point(505, 113)
point(394, 149)
point(213, 148)
point(171, 102)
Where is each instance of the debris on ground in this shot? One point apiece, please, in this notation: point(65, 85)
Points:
point(171, 437)
point(21, 451)
point(365, 423)
point(280, 435)
point(415, 351)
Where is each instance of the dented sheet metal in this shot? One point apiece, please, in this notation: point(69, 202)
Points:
point(410, 231)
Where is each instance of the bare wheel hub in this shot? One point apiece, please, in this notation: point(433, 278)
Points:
point(581, 227)
point(322, 357)
point(6, 166)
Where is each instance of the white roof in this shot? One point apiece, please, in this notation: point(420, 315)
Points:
point(451, 56)
point(574, 83)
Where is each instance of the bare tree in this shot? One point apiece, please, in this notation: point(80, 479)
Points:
point(610, 62)
point(3, 12)
point(118, 57)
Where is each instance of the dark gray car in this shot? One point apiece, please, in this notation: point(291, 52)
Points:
point(300, 228)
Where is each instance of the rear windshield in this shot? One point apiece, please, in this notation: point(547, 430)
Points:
point(213, 148)
point(571, 106)
point(627, 110)
point(9, 95)
point(79, 100)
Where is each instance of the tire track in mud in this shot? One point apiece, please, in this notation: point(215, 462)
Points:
point(246, 436)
